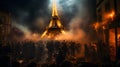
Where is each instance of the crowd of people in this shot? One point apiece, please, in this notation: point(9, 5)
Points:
point(54, 54)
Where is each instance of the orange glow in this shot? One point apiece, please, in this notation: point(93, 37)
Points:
point(112, 14)
point(43, 34)
point(96, 26)
point(76, 36)
point(59, 24)
point(32, 37)
point(106, 19)
point(50, 25)
point(54, 10)
point(55, 23)
point(119, 39)
point(109, 15)
point(63, 32)
point(118, 36)
point(103, 27)
point(112, 44)
point(112, 37)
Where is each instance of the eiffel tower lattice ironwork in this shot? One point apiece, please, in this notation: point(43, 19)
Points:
point(55, 26)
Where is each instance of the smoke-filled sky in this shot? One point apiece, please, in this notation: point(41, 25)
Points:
point(34, 15)
point(29, 12)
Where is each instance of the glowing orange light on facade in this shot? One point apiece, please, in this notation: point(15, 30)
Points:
point(118, 36)
point(112, 37)
point(103, 27)
point(112, 44)
point(119, 40)
point(112, 14)
point(96, 26)
point(109, 15)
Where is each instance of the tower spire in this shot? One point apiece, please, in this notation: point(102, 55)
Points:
point(54, 9)
point(55, 26)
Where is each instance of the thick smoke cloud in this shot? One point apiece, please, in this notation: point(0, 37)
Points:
point(25, 12)
point(36, 14)
point(79, 16)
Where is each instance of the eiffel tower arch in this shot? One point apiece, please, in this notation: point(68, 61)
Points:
point(55, 26)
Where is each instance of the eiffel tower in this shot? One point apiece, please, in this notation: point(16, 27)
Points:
point(55, 26)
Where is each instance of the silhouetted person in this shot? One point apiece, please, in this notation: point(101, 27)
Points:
point(60, 58)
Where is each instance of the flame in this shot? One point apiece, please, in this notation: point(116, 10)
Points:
point(112, 37)
point(109, 15)
point(106, 19)
point(112, 14)
point(119, 39)
point(96, 26)
point(112, 44)
point(118, 36)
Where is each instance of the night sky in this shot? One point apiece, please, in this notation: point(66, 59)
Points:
point(36, 14)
